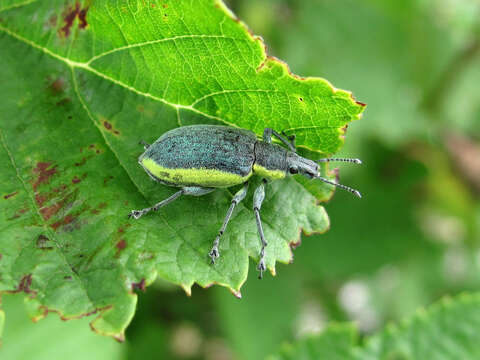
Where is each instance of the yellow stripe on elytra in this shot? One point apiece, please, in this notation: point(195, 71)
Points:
point(266, 173)
point(200, 177)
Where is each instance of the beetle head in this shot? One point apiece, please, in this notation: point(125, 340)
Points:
point(310, 169)
point(300, 165)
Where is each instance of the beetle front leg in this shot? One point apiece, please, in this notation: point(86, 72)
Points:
point(194, 191)
point(258, 197)
point(267, 137)
point(291, 138)
point(239, 196)
point(145, 144)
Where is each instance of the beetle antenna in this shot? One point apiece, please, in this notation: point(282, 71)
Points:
point(353, 191)
point(355, 161)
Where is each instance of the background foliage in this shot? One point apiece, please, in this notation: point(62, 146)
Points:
point(414, 238)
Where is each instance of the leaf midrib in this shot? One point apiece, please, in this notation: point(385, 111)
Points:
point(86, 66)
point(72, 65)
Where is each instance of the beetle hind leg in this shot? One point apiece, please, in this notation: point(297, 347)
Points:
point(258, 198)
point(239, 196)
point(194, 191)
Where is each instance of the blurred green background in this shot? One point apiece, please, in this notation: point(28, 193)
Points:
point(412, 239)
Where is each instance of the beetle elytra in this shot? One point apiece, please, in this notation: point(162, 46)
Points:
point(201, 158)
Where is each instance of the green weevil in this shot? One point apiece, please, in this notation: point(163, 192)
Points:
point(202, 158)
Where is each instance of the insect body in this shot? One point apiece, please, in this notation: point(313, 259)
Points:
point(201, 158)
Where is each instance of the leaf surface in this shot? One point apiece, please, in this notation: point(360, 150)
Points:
point(446, 330)
point(83, 83)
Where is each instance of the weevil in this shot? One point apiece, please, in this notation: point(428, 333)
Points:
point(201, 158)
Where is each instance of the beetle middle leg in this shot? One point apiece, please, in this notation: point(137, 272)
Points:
point(239, 196)
point(193, 190)
point(258, 197)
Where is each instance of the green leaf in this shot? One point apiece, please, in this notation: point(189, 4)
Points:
point(82, 83)
point(52, 338)
point(335, 343)
point(446, 330)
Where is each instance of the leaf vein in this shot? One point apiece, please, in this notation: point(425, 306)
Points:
point(42, 221)
point(157, 41)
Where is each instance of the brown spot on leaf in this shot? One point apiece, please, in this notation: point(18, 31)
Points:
point(46, 310)
point(68, 219)
point(48, 211)
point(344, 131)
point(67, 277)
point(10, 195)
point(40, 199)
point(57, 86)
point(69, 222)
point(165, 6)
point(140, 285)
point(82, 17)
point(76, 179)
point(44, 172)
point(122, 244)
point(360, 103)
point(107, 125)
point(295, 244)
point(25, 283)
point(69, 17)
point(300, 98)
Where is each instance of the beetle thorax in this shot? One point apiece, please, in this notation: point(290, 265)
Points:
point(270, 160)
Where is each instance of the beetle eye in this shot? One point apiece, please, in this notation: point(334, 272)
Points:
point(293, 170)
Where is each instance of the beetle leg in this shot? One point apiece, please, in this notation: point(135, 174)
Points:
point(258, 197)
point(145, 145)
point(267, 137)
point(239, 196)
point(194, 191)
point(136, 214)
point(290, 138)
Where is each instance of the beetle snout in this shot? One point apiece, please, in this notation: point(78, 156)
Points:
point(302, 166)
